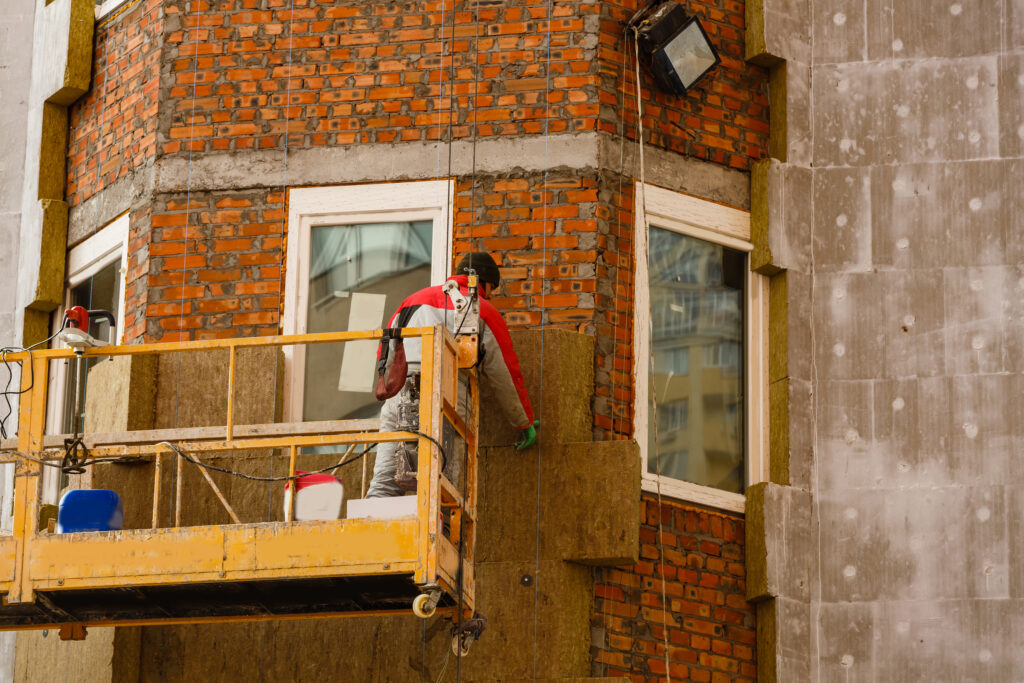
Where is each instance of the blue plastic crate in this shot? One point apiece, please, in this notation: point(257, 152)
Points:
point(89, 510)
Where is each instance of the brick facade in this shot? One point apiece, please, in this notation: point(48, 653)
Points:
point(711, 627)
point(189, 78)
point(723, 118)
point(113, 127)
point(370, 72)
point(215, 265)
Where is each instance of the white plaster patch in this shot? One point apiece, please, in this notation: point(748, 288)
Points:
point(846, 661)
point(898, 403)
point(909, 320)
point(972, 82)
point(903, 467)
point(899, 185)
point(903, 627)
point(903, 111)
point(849, 571)
point(1020, 131)
point(970, 429)
point(843, 85)
point(841, 220)
point(839, 349)
point(977, 342)
point(977, 285)
point(974, 137)
point(850, 513)
point(975, 204)
point(839, 19)
point(897, 45)
point(902, 243)
point(851, 436)
point(983, 514)
point(956, 9)
point(985, 656)
point(1020, 80)
point(839, 292)
point(846, 144)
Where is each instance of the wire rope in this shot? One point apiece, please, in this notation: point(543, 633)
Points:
point(280, 283)
point(543, 294)
point(645, 241)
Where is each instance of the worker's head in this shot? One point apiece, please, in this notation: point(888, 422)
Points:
point(484, 267)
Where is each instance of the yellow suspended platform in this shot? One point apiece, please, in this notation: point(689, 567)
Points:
point(239, 572)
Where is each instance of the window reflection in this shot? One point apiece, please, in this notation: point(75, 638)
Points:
point(697, 290)
point(101, 291)
point(387, 259)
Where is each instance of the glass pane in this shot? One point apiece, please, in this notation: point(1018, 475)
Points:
point(696, 402)
point(690, 54)
point(358, 276)
point(102, 291)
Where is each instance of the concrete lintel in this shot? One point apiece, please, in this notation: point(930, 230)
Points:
point(675, 172)
point(109, 203)
point(375, 162)
point(419, 160)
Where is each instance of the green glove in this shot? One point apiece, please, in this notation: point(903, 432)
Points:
point(528, 436)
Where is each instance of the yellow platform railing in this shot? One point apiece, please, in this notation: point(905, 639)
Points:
point(67, 577)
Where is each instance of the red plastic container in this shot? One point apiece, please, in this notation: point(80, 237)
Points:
point(318, 497)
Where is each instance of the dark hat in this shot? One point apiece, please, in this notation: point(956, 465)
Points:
point(484, 266)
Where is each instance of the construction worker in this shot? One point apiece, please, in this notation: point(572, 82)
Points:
point(499, 365)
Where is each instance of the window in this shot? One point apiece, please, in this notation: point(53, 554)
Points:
point(95, 280)
point(354, 253)
point(701, 399)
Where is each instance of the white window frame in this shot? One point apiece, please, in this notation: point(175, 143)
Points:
point(107, 7)
point(84, 260)
point(730, 227)
point(309, 207)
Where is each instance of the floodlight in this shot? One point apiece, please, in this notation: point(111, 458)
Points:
point(673, 45)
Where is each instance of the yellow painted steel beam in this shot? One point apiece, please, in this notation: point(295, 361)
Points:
point(412, 546)
point(27, 474)
point(251, 444)
point(180, 621)
point(279, 550)
point(214, 344)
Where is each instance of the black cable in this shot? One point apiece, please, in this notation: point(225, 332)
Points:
point(46, 463)
point(242, 475)
point(7, 393)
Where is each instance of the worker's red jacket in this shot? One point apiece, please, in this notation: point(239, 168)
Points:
point(499, 364)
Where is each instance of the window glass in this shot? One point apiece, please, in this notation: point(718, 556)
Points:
point(358, 276)
point(697, 290)
point(101, 291)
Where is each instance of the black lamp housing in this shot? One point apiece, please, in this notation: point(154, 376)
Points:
point(673, 46)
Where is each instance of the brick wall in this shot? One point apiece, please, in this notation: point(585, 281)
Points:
point(369, 72)
point(562, 250)
point(711, 629)
point(723, 118)
point(214, 266)
point(113, 127)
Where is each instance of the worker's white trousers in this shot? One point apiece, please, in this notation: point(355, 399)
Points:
point(383, 482)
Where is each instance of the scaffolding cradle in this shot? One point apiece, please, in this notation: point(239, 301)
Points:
point(247, 571)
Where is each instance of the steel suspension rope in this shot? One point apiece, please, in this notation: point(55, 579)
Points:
point(543, 337)
point(645, 242)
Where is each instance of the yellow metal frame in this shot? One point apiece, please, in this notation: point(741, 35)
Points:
point(32, 561)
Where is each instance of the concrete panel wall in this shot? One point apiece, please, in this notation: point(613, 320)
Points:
point(915, 312)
